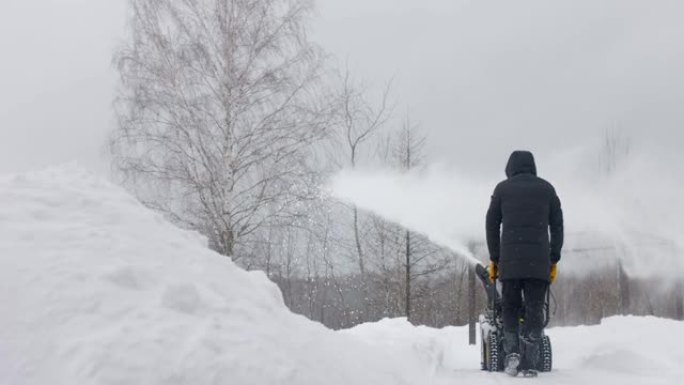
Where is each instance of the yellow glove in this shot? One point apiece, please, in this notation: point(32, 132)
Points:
point(493, 271)
point(554, 272)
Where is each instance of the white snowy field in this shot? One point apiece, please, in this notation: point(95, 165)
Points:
point(97, 289)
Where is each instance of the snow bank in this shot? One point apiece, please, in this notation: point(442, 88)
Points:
point(96, 289)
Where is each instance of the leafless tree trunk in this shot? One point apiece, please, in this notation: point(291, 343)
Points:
point(678, 301)
point(408, 274)
point(219, 104)
point(472, 316)
point(623, 290)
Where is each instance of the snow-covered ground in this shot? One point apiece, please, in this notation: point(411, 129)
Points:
point(96, 289)
point(622, 350)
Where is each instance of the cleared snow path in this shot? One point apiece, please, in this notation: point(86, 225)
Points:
point(621, 351)
point(96, 289)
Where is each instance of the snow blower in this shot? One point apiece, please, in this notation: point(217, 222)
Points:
point(491, 329)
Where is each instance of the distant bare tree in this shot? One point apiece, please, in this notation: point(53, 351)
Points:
point(408, 153)
point(410, 147)
point(359, 121)
point(219, 104)
point(615, 149)
point(422, 258)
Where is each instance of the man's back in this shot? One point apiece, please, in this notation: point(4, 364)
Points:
point(528, 207)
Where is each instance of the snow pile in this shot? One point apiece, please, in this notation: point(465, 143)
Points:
point(96, 289)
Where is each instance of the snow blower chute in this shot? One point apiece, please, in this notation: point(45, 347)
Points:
point(491, 329)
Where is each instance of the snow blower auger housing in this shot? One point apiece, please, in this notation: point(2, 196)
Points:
point(491, 329)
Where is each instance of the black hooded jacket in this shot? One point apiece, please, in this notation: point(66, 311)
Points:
point(529, 210)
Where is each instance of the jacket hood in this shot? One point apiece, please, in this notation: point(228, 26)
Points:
point(521, 162)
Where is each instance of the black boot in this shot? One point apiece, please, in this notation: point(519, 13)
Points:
point(530, 348)
point(511, 349)
point(511, 364)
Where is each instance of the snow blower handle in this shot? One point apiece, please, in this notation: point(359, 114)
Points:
point(482, 272)
point(489, 286)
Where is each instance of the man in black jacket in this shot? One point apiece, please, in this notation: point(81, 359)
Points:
point(523, 257)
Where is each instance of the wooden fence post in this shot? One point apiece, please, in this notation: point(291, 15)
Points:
point(472, 317)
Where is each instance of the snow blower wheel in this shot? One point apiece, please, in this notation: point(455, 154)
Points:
point(546, 361)
point(494, 361)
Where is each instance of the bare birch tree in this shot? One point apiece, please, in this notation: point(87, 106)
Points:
point(219, 104)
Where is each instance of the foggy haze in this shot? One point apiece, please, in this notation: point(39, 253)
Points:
point(57, 82)
point(235, 203)
point(488, 77)
point(482, 77)
point(634, 213)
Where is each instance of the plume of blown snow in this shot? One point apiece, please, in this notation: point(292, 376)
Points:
point(632, 213)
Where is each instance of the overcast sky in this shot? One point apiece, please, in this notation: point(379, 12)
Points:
point(56, 81)
point(483, 77)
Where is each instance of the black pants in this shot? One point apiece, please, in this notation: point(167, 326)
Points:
point(523, 299)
